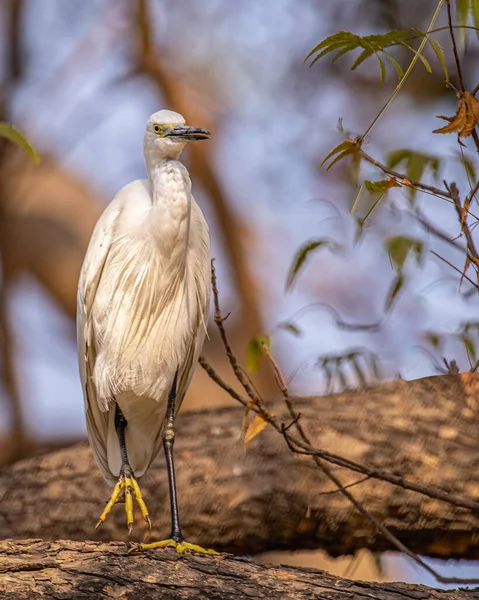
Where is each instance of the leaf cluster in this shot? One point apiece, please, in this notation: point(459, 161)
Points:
point(377, 45)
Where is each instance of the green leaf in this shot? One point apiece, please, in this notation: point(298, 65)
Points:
point(343, 42)
point(436, 46)
point(301, 256)
point(254, 351)
point(383, 70)
point(340, 156)
point(415, 164)
point(468, 166)
point(438, 51)
point(291, 328)
point(395, 64)
point(470, 348)
point(344, 145)
point(475, 14)
point(345, 148)
point(339, 35)
point(357, 199)
point(394, 290)
point(12, 134)
point(399, 247)
point(343, 49)
point(366, 53)
point(434, 339)
point(345, 37)
point(424, 61)
point(342, 52)
point(462, 7)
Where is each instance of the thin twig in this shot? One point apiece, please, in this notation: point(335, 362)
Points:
point(343, 489)
point(464, 276)
point(298, 447)
point(454, 46)
point(301, 448)
point(303, 440)
point(403, 180)
point(471, 246)
point(475, 136)
point(473, 192)
point(307, 450)
point(219, 381)
point(437, 232)
point(229, 353)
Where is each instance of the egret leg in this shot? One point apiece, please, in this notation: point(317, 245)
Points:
point(175, 539)
point(127, 485)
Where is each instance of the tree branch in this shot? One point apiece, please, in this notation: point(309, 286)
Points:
point(75, 570)
point(402, 179)
point(259, 497)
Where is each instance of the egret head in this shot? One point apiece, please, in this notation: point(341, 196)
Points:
point(167, 134)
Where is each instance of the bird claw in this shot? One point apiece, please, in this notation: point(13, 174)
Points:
point(126, 487)
point(180, 547)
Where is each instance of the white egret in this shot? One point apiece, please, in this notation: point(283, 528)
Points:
point(143, 302)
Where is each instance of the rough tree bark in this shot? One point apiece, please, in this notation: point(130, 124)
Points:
point(262, 497)
point(81, 570)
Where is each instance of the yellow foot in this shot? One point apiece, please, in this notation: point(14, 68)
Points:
point(126, 488)
point(180, 547)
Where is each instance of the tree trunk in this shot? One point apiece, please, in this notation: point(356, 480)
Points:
point(81, 570)
point(261, 497)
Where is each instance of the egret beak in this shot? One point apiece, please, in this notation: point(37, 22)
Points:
point(187, 134)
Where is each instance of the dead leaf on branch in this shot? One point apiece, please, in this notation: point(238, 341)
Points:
point(465, 210)
point(255, 428)
point(467, 264)
point(466, 117)
point(382, 186)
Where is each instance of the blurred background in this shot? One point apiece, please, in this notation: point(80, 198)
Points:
point(80, 80)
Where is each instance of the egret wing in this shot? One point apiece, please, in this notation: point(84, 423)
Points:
point(199, 269)
point(90, 276)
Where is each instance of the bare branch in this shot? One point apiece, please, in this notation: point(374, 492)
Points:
point(403, 180)
point(301, 444)
point(76, 570)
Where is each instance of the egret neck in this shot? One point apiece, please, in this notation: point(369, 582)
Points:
point(170, 188)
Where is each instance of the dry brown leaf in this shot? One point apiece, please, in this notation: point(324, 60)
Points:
point(465, 210)
point(254, 428)
point(465, 119)
point(464, 271)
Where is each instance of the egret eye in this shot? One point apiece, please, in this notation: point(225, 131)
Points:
point(156, 128)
